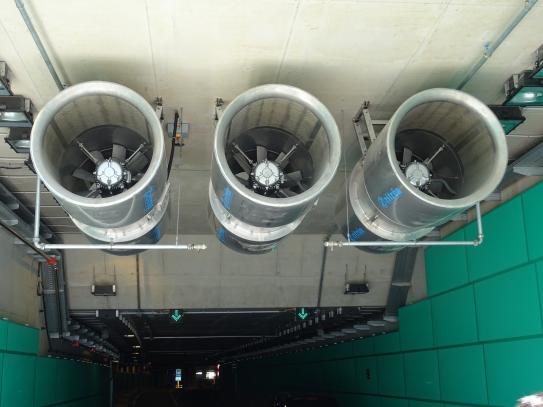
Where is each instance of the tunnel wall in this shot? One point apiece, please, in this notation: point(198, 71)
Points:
point(476, 340)
point(28, 380)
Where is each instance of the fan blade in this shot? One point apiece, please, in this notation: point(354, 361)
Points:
point(97, 155)
point(242, 163)
point(445, 184)
point(118, 152)
point(138, 162)
point(261, 153)
point(292, 178)
point(407, 156)
point(295, 176)
point(286, 193)
point(284, 161)
point(94, 192)
point(302, 187)
point(80, 173)
point(243, 176)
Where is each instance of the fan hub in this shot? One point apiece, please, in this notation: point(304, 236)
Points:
point(268, 175)
point(110, 173)
point(418, 174)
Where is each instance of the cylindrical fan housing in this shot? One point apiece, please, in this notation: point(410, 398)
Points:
point(276, 149)
point(99, 149)
point(441, 152)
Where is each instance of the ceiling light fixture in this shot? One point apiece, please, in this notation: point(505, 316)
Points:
point(15, 111)
point(510, 117)
point(19, 139)
point(524, 90)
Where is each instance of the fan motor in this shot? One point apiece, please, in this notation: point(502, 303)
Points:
point(267, 176)
point(111, 175)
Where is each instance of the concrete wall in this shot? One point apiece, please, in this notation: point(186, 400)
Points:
point(18, 283)
point(220, 278)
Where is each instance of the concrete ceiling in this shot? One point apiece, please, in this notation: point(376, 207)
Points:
point(191, 52)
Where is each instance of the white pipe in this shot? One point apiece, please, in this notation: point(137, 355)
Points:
point(113, 246)
point(477, 242)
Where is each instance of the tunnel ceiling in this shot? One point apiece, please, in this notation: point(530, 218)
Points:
point(209, 336)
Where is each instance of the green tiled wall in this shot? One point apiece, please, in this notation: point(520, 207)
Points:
point(477, 340)
point(28, 380)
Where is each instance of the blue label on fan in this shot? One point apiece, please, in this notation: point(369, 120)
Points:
point(389, 197)
point(221, 234)
point(156, 233)
point(148, 198)
point(356, 234)
point(227, 197)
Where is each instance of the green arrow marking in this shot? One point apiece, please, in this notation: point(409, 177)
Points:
point(302, 314)
point(176, 316)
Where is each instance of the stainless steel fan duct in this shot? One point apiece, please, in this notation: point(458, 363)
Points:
point(276, 149)
point(441, 152)
point(99, 149)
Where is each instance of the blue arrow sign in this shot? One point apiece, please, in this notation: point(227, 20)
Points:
point(176, 315)
point(303, 314)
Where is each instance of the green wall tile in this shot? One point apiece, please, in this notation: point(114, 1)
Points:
point(22, 338)
point(366, 374)
point(45, 384)
point(508, 305)
point(514, 369)
point(505, 241)
point(342, 350)
point(416, 403)
point(344, 375)
point(539, 272)
point(3, 334)
point(446, 267)
point(422, 375)
point(533, 215)
point(416, 326)
point(18, 380)
point(462, 375)
point(363, 347)
point(454, 318)
point(368, 401)
point(390, 375)
point(391, 402)
point(1, 370)
point(387, 343)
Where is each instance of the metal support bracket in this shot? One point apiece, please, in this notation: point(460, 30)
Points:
point(369, 123)
point(219, 108)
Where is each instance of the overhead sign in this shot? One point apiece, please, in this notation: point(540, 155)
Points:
point(176, 315)
point(303, 314)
